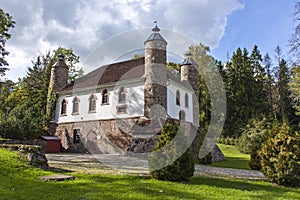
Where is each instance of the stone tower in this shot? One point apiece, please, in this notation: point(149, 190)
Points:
point(155, 91)
point(59, 75)
point(58, 80)
point(189, 73)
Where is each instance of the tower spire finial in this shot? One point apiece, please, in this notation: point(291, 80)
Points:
point(155, 29)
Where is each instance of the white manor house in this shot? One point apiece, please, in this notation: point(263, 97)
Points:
point(124, 105)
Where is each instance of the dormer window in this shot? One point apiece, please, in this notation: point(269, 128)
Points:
point(92, 103)
point(177, 98)
point(122, 95)
point(105, 98)
point(75, 106)
point(63, 110)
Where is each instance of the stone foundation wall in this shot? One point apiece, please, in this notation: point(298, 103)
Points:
point(101, 136)
point(111, 137)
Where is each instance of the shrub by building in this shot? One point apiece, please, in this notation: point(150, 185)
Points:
point(182, 168)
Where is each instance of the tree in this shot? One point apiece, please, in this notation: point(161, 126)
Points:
point(294, 41)
point(71, 60)
point(247, 93)
point(28, 100)
point(295, 88)
point(284, 100)
point(6, 23)
point(269, 87)
point(27, 118)
point(207, 67)
point(200, 54)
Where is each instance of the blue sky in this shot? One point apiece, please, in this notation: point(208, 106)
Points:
point(82, 25)
point(266, 23)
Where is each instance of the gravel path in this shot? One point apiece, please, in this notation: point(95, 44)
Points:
point(109, 163)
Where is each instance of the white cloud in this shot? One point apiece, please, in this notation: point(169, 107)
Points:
point(82, 24)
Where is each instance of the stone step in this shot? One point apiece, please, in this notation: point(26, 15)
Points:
point(56, 177)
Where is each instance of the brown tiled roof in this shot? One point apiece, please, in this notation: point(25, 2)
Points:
point(115, 72)
point(111, 73)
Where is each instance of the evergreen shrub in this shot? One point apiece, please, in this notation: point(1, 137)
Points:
point(182, 168)
point(280, 157)
point(251, 140)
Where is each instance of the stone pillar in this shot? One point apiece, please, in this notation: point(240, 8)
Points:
point(155, 92)
point(189, 73)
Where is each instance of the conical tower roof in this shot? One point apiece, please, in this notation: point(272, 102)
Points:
point(60, 62)
point(155, 35)
point(188, 60)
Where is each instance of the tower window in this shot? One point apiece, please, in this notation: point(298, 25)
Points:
point(182, 115)
point(122, 95)
point(178, 98)
point(75, 106)
point(63, 110)
point(92, 103)
point(76, 136)
point(105, 96)
point(186, 100)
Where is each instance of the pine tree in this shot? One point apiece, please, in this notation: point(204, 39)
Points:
point(294, 86)
point(269, 87)
point(284, 100)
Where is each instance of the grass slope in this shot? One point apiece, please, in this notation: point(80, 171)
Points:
point(234, 159)
point(19, 181)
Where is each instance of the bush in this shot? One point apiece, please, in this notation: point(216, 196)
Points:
point(255, 133)
point(227, 140)
point(280, 157)
point(255, 161)
point(251, 140)
point(182, 168)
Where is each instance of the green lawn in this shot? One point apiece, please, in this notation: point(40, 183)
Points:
point(234, 159)
point(19, 181)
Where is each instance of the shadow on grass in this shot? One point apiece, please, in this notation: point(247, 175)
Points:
point(98, 186)
point(233, 162)
point(270, 190)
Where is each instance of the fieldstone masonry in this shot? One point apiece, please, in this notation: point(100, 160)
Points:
point(105, 136)
point(155, 91)
point(59, 74)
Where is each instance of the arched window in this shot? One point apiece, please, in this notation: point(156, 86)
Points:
point(63, 110)
point(92, 103)
point(105, 96)
point(178, 98)
point(182, 115)
point(186, 100)
point(122, 95)
point(75, 106)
